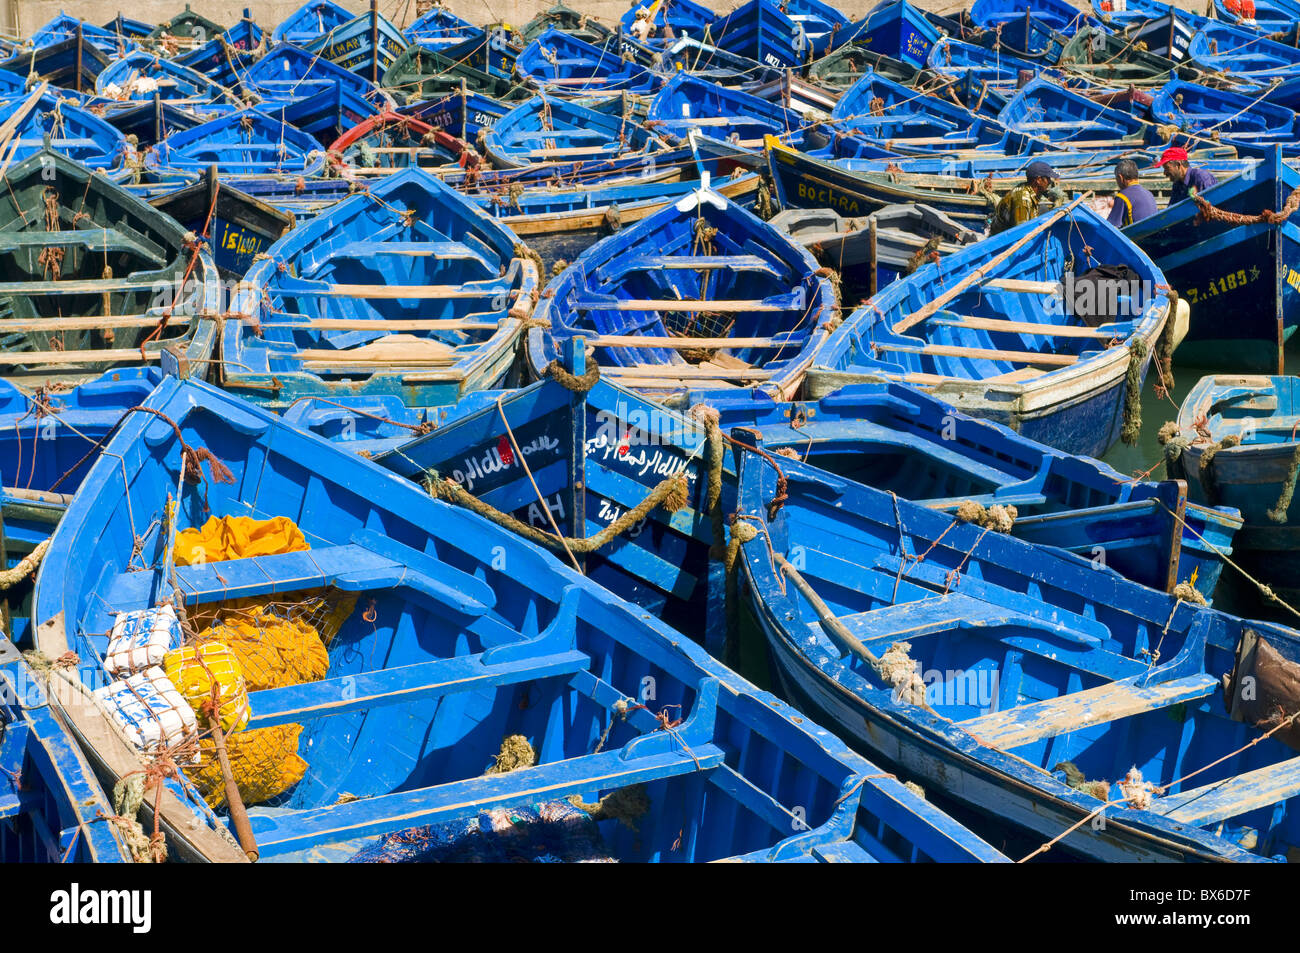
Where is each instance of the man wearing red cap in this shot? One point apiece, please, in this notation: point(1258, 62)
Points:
point(1184, 178)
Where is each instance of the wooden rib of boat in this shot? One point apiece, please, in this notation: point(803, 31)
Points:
point(411, 745)
point(406, 287)
point(1029, 683)
point(1046, 382)
point(677, 277)
point(94, 278)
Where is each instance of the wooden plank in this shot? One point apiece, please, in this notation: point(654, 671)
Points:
point(1094, 706)
point(682, 372)
point(92, 323)
point(979, 274)
point(392, 291)
point(382, 324)
point(1232, 797)
point(1028, 327)
point(85, 286)
point(990, 354)
point(679, 343)
point(1024, 287)
point(687, 304)
point(14, 358)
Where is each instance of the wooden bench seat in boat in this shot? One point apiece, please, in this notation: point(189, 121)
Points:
point(370, 561)
point(981, 353)
point(775, 303)
point(371, 249)
point(1231, 797)
point(98, 240)
point(304, 288)
point(688, 263)
point(1093, 706)
point(1028, 327)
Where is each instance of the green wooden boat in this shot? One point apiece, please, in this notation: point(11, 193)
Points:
point(839, 70)
point(185, 31)
point(421, 73)
point(563, 17)
point(1115, 58)
point(93, 278)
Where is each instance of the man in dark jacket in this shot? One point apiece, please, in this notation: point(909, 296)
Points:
point(1021, 203)
point(1186, 180)
point(1132, 202)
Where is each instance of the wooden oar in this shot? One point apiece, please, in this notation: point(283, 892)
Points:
point(916, 317)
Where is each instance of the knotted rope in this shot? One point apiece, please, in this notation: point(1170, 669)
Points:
point(1132, 427)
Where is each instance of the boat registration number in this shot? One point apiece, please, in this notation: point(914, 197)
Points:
point(1222, 285)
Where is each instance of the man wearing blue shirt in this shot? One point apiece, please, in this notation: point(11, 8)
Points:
point(1132, 202)
point(1185, 179)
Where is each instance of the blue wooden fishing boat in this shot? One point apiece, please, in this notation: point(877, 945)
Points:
point(313, 20)
point(546, 128)
point(245, 145)
point(837, 72)
point(93, 278)
point(1169, 32)
point(1267, 16)
point(1123, 14)
point(1068, 119)
point(226, 56)
point(894, 28)
point(126, 28)
point(40, 117)
point(660, 303)
point(1038, 29)
point(624, 445)
point(366, 45)
point(496, 53)
point(466, 115)
point(287, 73)
point(681, 17)
point(325, 113)
point(560, 224)
point(564, 64)
point(525, 688)
point(1249, 122)
point(1031, 686)
point(53, 809)
point(1004, 329)
point(72, 64)
point(438, 27)
point(151, 122)
point(898, 119)
point(760, 31)
point(1237, 445)
point(686, 103)
point(142, 75)
point(63, 28)
point(953, 57)
point(405, 288)
point(1241, 53)
point(1241, 276)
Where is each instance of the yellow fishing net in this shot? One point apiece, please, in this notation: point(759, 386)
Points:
point(237, 537)
point(274, 644)
point(194, 668)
